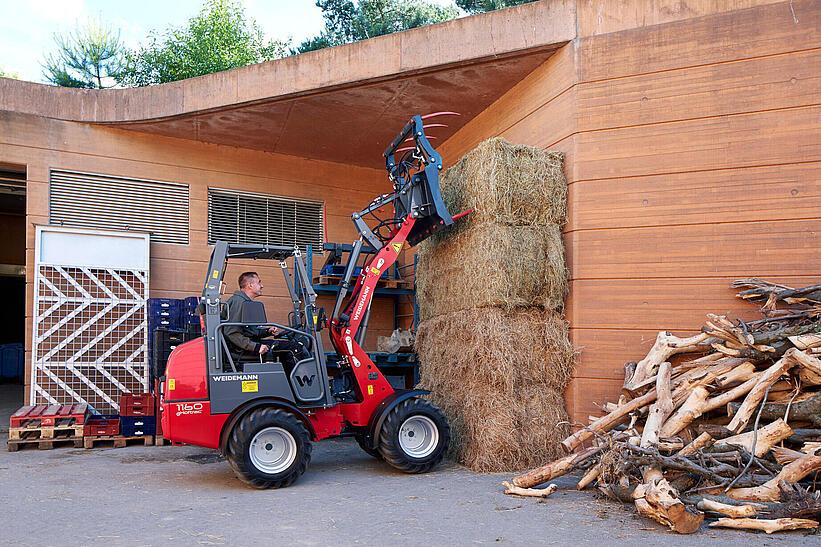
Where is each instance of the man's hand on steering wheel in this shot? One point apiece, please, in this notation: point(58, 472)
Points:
point(263, 349)
point(274, 330)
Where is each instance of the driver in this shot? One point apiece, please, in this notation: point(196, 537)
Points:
point(250, 342)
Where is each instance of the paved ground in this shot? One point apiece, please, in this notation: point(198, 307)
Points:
point(187, 495)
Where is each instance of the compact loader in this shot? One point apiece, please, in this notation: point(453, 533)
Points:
point(263, 416)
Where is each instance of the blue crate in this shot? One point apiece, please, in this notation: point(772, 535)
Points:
point(134, 426)
point(190, 316)
point(11, 362)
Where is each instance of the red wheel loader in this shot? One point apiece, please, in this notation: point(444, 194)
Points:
point(263, 416)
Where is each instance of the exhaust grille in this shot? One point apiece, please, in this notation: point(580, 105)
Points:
point(246, 217)
point(88, 200)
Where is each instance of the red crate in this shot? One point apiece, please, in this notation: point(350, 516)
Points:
point(101, 427)
point(49, 415)
point(137, 404)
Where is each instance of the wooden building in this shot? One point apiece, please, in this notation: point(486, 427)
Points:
point(692, 134)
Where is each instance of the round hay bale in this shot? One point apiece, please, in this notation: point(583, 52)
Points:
point(492, 265)
point(488, 346)
point(507, 183)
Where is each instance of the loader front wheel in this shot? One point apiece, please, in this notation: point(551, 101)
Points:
point(269, 448)
point(414, 436)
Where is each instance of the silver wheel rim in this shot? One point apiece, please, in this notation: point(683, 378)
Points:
point(273, 450)
point(418, 436)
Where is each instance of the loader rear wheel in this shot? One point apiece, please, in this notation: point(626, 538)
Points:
point(414, 436)
point(269, 448)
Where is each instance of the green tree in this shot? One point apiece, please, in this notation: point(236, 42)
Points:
point(90, 57)
point(12, 75)
point(481, 6)
point(347, 21)
point(219, 38)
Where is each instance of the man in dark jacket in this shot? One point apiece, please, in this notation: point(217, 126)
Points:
point(250, 342)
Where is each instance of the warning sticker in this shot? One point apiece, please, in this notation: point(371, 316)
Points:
point(396, 247)
point(250, 386)
point(375, 271)
point(172, 383)
point(370, 390)
point(215, 274)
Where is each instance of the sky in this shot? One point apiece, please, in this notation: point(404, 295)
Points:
point(27, 27)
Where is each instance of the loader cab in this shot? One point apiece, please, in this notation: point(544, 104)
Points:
point(233, 382)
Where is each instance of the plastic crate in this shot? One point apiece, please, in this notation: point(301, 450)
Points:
point(190, 315)
point(135, 426)
point(164, 312)
point(163, 343)
point(11, 362)
point(137, 405)
point(101, 427)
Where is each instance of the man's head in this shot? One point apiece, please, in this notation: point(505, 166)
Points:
point(250, 284)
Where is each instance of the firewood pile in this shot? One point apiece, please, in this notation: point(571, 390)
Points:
point(731, 432)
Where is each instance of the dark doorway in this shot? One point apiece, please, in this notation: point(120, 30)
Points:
point(12, 287)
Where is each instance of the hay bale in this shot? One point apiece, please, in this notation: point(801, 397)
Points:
point(492, 265)
point(507, 183)
point(499, 377)
point(489, 346)
point(493, 431)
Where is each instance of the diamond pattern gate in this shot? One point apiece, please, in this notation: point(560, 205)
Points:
point(90, 324)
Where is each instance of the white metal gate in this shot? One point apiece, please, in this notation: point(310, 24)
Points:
point(90, 323)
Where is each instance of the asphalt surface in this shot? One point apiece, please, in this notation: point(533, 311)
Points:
point(189, 496)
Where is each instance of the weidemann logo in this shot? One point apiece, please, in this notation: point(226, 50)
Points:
point(235, 377)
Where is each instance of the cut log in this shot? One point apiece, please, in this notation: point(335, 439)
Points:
point(702, 441)
point(659, 501)
point(554, 469)
point(588, 478)
point(733, 511)
point(769, 526)
point(770, 491)
point(766, 437)
point(786, 455)
point(512, 490)
point(665, 346)
point(699, 402)
point(659, 410)
point(606, 423)
point(757, 393)
point(806, 341)
point(810, 367)
point(805, 408)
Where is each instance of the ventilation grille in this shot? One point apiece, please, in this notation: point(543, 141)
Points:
point(101, 201)
point(244, 217)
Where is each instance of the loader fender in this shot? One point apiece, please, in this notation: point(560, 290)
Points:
point(273, 402)
point(384, 408)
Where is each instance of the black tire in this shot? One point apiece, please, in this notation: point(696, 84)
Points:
point(363, 444)
point(255, 422)
point(391, 447)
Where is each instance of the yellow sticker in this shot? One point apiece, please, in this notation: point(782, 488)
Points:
point(375, 271)
point(370, 390)
point(396, 247)
point(250, 386)
point(215, 274)
point(171, 384)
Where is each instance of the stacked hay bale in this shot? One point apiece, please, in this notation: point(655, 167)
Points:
point(493, 345)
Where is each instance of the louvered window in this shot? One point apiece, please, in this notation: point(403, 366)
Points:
point(245, 217)
point(89, 200)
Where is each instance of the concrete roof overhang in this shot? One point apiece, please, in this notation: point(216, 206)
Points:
point(341, 104)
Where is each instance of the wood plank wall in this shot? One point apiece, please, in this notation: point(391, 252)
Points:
point(177, 270)
point(693, 158)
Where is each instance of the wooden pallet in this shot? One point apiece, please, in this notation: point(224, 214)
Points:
point(159, 440)
point(117, 441)
point(59, 438)
point(32, 433)
point(49, 415)
point(382, 283)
